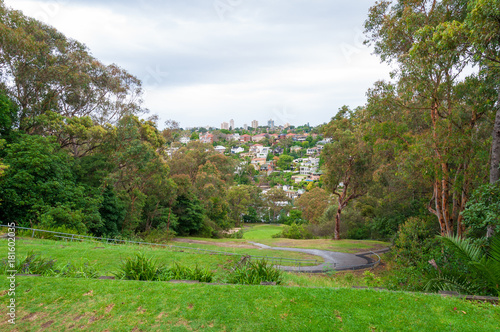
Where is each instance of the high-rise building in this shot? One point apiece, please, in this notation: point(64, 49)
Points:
point(255, 124)
point(224, 125)
point(270, 124)
point(231, 124)
point(245, 126)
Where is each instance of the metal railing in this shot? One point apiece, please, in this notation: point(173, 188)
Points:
point(77, 237)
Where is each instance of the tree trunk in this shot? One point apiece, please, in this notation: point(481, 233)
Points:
point(495, 157)
point(336, 232)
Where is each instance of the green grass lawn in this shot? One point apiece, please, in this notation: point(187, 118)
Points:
point(261, 231)
point(56, 304)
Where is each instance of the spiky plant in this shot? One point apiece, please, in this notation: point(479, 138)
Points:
point(484, 267)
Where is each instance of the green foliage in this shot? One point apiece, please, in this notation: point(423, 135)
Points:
point(255, 272)
point(39, 186)
point(78, 270)
point(190, 215)
point(284, 161)
point(483, 209)
point(140, 267)
point(31, 264)
point(295, 231)
point(484, 268)
point(48, 236)
point(294, 217)
point(157, 236)
point(8, 115)
point(414, 246)
point(180, 272)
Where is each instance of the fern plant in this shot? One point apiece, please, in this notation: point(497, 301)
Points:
point(484, 266)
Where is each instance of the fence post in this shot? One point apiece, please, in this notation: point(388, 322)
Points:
point(33, 234)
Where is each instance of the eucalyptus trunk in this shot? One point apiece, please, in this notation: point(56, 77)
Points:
point(495, 156)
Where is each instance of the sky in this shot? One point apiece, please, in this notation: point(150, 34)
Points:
point(204, 62)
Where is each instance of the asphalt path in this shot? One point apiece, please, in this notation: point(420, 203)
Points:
point(333, 260)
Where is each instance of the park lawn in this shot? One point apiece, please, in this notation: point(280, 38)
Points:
point(57, 304)
point(107, 258)
point(347, 246)
point(256, 232)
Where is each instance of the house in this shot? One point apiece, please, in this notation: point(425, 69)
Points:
point(258, 138)
point(314, 177)
point(267, 167)
point(298, 178)
point(207, 138)
point(245, 138)
point(233, 137)
point(295, 148)
point(278, 150)
point(220, 149)
point(312, 151)
point(237, 150)
point(256, 148)
point(257, 162)
point(184, 140)
point(300, 138)
point(247, 155)
point(171, 151)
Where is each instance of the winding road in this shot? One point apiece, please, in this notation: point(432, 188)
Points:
point(333, 260)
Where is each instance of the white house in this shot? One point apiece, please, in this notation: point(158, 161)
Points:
point(184, 140)
point(237, 150)
point(220, 149)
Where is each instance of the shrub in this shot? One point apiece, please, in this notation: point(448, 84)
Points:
point(295, 231)
point(140, 268)
point(45, 235)
point(31, 264)
point(157, 236)
point(180, 272)
point(80, 270)
point(253, 273)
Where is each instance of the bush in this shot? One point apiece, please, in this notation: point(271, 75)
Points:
point(414, 246)
point(180, 272)
point(48, 236)
point(140, 268)
point(81, 270)
point(31, 264)
point(253, 273)
point(294, 231)
point(157, 236)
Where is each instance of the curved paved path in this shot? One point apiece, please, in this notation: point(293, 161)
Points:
point(333, 260)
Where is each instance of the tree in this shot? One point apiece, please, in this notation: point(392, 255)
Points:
point(284, 161)
point(39, 187)
point(427, 41)
point(44, 71)
point(276, 201)
point(347, 161)
point(313, 204)
point(241, 199)
point(483, 25)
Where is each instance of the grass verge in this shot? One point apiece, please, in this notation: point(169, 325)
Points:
point(53, 304)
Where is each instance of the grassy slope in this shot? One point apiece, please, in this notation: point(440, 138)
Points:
point(53, 304)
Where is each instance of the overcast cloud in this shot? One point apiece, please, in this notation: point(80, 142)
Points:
point(204, 62)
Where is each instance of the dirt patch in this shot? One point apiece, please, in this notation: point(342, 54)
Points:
point(45, 325)
point(31, 317)
point(77, 318)
point(219, 244)
point(109, 307)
